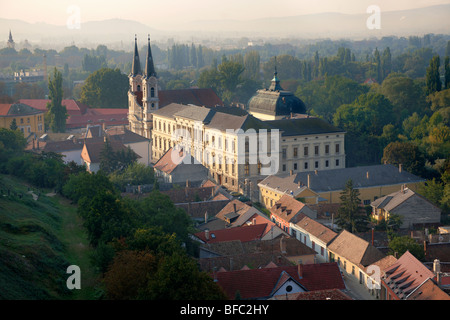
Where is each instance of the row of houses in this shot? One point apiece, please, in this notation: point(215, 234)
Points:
point(251, 257)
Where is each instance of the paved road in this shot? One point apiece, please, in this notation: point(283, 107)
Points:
point(355, 290)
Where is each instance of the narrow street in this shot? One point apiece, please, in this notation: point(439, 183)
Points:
point(355, 290)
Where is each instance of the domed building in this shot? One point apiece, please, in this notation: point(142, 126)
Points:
point(275, 103)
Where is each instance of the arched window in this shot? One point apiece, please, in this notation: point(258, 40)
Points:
point(152, 92)
point(139, 88)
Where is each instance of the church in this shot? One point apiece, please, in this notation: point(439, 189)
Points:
point(145, 97)
point(212, 131)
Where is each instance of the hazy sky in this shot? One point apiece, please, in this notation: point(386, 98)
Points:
point(157, 12)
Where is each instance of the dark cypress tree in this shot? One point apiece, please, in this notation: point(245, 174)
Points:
point(57, 113)
point(433, 79)
point(447, 72)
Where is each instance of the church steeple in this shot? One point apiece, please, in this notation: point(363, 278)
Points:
point(275, 81)
point(136, 67)
point(149, 66)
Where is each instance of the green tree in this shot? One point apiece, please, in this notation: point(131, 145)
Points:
point(181, 272)
point(351, 215)
point(399, 245)
point(407, 154)
point(57, 113)
point(433, 78)
point(13, 125)
point(105, 88)
point(447, 72)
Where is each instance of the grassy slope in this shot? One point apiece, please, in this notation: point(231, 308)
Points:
point(38, 241)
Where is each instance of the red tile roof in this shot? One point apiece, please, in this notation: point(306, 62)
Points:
point(243, 233)
point(406, 274)
point(261, 283)
point(195, 96)
point(73, 107)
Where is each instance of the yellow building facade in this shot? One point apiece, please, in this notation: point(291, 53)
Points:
point(28, 120)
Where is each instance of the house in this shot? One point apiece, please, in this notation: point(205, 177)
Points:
point(331, 294)
point(178, 166)
point(412, 207)
point(315, 235)
point(70, 149)
point(243, 233)
point(29, 120)
point(81, 115)
point(373, 182)
point(409, 279)
point(265, 283)
point(354, 255)
point(236, 255)
point(288, 210)
point(274, 187)
point(92, 149)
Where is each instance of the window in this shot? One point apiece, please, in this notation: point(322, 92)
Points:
point(366, 202)
point(284, 153)
point(295, 152)
point(295, 166)
point(152, 92)
point(337, 162)
point(316, 164)
point(316, 150)
point(284, 167)
point(305, 151)
point(306, 165)
point(322, 251)
point(337, 147)
point(327, 163)
point(327, 149)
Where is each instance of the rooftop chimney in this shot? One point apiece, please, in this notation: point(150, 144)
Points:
point(309, 179)
point(234, 206)
point(367, 174)
point(437, 270)
point(207, 234)
point(400, 168)
point(206, 215)
point(300, 269)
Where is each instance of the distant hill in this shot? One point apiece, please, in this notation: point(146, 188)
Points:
point(432, 19)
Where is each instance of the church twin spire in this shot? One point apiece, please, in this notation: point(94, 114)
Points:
point(149, 66)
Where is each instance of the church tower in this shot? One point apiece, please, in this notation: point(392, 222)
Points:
point(10, 42)
point(135, 109)
point(150, 95)
point(143, 93)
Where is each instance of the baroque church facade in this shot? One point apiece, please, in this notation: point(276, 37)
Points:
point(143, 93)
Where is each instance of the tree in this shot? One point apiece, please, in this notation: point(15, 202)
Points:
point(129, 274)
point(13, 125)
point(406, 154)
point(433, 78)
point(115, 160)
point(399, 245)
point(57, 113)
point(105, 88)
point(351, 215)
point(178, 278)
point(447, 72)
